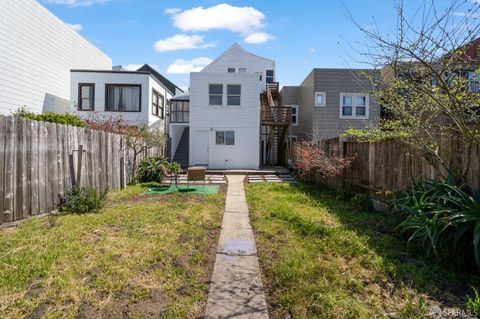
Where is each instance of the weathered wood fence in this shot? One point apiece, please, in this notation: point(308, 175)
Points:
point(394, 165)
point(40, 161)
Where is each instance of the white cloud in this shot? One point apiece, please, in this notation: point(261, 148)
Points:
point(181, 66)
point(244, 20)
point(75, 3)
point(259, 37)
point(77, 27)
point(172, 10)
point(312, 50)
point(182, 42)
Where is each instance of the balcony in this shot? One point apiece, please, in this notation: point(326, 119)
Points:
point(278, 116)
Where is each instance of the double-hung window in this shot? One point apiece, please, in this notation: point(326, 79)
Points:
point(473, 81)
point(158, 104)
point(294, 115)
point(354, 105)
point(320, 99)
point(123, 98)
point(225, 137)
point(86, 97)
point(215, 94)
point(234, 92)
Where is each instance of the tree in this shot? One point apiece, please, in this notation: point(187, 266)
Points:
point(428, 77)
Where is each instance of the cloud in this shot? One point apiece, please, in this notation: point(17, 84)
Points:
point(182, 42)
point(181, 66)
point(77, 27)
point(312, 50)
point(258, 37)
point(172, 10)
point(244, 20)
point(76, 3)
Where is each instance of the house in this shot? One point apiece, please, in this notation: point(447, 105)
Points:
point(330, 101)
point(138, 97)
point(222, 123)
point(38, 52)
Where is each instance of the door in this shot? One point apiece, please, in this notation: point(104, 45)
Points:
point(200, 148)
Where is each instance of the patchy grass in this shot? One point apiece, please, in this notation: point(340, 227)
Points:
point(322, 257)
point(142, 256)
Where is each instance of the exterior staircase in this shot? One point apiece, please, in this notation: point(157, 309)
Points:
point(181, 155)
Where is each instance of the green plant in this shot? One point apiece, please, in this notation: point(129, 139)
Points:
point(473, 303)
point(82, 200)
point(151, 169)
point(51, 117)
point(174, 168)
point(362, 201)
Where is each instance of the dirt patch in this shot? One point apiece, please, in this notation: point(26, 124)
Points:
point(86, 311)
point(151, 307)
point(39, 311)
point(183, 238)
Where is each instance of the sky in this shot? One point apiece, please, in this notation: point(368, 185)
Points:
point(180, 36)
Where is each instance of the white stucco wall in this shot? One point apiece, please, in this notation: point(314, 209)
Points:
point(244, 120)
point(100, 79)
point(37, 52)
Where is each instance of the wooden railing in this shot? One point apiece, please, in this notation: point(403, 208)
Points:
point(274, 115)
point(274, 87)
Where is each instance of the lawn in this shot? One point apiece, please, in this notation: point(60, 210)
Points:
point(323, 257)
point(140, 257)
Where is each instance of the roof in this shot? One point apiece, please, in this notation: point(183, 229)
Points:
point(111, 71)
point(233, 48)
point(168, 84)
point(181, 97)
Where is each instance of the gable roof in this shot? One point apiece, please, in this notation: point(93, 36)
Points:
point(237, 48)
point(168, 84)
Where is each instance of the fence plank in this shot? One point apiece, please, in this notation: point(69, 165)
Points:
point(2, 166)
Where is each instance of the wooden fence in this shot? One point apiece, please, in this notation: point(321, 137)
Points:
point(40, 161)
point(394, 165)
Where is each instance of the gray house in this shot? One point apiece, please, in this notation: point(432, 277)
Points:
point(328, 102)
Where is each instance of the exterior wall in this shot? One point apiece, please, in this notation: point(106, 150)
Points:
point(100, 79)
point(326, 120)
point(289, 97)
point(175, 132)
point(306, 93)
point(244, 120)
point(37, 52)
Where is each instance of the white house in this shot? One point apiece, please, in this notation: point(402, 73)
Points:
point(137, 97)
point(37, 52)
point(223, 130)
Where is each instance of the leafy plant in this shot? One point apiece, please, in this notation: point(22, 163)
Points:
point(473, 303)
point(51, 117)
point(362, 201)
point(152, 169)
point(82, 200)
point(174, 168)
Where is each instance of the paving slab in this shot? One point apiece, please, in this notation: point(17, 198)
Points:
point(235, 221)
point(237, 242)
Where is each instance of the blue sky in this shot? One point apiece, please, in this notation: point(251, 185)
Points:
point(179, 36)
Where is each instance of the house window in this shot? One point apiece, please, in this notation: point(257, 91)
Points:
point(86, 97)
point(123, 98)
point(180, 112)
point(354, 105)
point(270, 76)
point(225, 137)
point(473, 81)
point(233, 94)
point(320, 99)
point(158, 104)
point(242, 70)
point(294, 115)
point(215, 92)
point(231, 70)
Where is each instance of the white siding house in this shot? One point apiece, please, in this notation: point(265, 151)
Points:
point(37, 52)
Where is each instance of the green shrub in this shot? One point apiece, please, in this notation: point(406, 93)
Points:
point(473, 303)
point(151, 169)
point(82, 200)
point(65, 119)
point(174, 167)
point(442, 220)
point(362, 201)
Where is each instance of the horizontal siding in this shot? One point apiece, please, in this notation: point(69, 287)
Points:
point(38, 50)
point(305, 108)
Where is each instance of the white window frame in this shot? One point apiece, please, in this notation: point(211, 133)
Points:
point(296, 114)
point(324, 99)
point(354, 106)
point(224, 137)
point(223, 93)
point(242, 70)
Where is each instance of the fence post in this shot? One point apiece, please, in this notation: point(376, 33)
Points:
point(79, 165)
point(371, 164)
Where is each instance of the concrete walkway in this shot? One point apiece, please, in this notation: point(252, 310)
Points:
point(236, 290)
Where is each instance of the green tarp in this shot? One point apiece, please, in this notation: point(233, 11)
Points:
point(193, 189)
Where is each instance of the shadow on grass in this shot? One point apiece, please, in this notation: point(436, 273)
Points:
point(442, 282)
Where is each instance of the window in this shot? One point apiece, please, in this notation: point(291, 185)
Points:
point(86, 97)
point(242, 70)
point(180, 111)
point(294, 115)
point(292, 139)
point(123, 98)
point(158, 104)
point(320, 99)
point(215, 92)
point(354, 105)
point(225, 137)
point(233, 94)
point(473, 81)
point(231, 70)
point(270, 76)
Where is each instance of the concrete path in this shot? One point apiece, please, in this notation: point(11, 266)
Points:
point(236, 290)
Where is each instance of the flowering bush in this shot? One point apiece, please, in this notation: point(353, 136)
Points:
point(311, 160)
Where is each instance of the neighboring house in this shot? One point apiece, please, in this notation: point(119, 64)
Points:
point(220, 121)
point(38, 50)
point(137, 97)
point(330, 101)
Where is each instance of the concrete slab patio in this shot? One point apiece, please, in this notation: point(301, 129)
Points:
point(236, 290)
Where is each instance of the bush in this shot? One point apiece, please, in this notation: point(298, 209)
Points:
point(65, 119)
point(82, 200)
point(442, 220)
point(151, 169)
point(362, 201)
